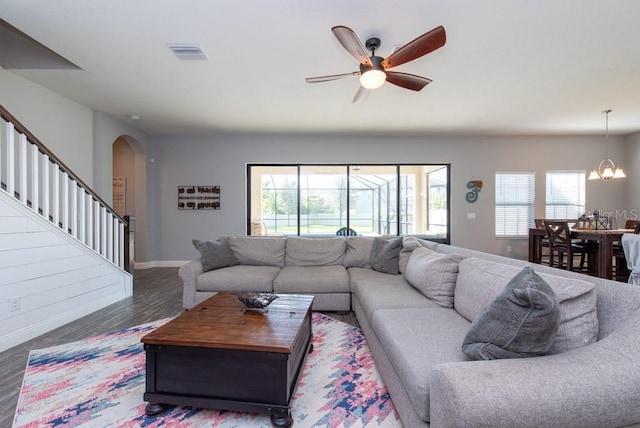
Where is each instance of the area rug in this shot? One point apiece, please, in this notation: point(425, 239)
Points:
point(99, 382)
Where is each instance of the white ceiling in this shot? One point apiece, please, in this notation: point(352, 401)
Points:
point(508, 67)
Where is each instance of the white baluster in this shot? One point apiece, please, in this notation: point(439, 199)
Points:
point(116, 241)
point(109, 236)
point(9, 160)
point(89, 217)
point(55, 193)
point(22, 168)
point(6, 138)
point(104, 237)
point(122, 243)
point(65, 202)
point(82, 222)
point(46, 186)
point(35, 178)
point(96, 226)
point(74, 208)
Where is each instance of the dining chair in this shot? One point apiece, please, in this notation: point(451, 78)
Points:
point(631, 246)
point(561, 244)
point(543, 243)
point(632, 224)
point(346, 231)
point(620, 269)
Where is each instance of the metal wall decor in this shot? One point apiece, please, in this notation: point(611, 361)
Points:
point(198, 197)
point(475, 186)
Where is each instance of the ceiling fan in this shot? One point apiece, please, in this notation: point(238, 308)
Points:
point(374, 70)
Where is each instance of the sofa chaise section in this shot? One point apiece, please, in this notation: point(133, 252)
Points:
point(593, 386)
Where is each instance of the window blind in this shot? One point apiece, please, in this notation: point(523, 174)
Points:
point(515, 200)
point(565, 194)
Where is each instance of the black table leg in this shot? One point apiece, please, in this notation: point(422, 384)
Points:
point(154, 409)
point(284, 421)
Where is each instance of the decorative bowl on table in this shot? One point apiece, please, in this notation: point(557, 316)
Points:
point(257, 300)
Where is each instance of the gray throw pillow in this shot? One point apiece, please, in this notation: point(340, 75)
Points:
point(433, 274)
point(522, 321)
point(385, 255)
point(215, 254)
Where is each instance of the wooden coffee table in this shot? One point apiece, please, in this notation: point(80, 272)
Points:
point(218, 355)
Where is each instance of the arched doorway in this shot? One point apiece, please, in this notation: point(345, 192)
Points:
point(130, 188)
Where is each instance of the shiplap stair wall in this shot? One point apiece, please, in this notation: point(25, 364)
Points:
point(62, 249)
point(55, 278)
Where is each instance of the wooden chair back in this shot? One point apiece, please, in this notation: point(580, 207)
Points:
point(632, 224)
point(558, 232)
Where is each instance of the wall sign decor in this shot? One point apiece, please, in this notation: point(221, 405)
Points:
point(198, 197)
point(120, 195)
point(475, 186)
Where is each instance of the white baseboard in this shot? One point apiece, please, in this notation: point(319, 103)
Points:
point(160, 263)
point(34, 330)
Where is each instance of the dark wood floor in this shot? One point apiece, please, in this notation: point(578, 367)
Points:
point(157, 294)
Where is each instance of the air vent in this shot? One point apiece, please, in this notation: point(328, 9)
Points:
point(189, 52)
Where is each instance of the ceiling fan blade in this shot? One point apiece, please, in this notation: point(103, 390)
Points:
point(352, 44)
point(361, 95)
point(407, 81)
point(331, 77)
point(416, 48)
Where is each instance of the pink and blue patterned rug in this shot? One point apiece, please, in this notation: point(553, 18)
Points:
point(99, 382)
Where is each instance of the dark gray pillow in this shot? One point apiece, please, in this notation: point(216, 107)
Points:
point(215, 254)
point(385, 255)
point(522, 321)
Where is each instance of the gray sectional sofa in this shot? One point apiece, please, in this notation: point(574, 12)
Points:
point(416, 321)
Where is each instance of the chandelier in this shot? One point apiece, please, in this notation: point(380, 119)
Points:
point(606, 169)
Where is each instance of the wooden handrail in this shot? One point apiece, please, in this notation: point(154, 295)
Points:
point(19, 127)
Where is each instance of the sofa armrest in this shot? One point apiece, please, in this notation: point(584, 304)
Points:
point(189, 272)
point(593, 386)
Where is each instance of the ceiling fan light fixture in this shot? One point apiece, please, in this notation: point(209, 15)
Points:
point(373, 78)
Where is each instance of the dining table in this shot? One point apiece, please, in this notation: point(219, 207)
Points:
point(605, 238)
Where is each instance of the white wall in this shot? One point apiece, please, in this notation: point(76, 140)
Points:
point(63, 126)
point(221, 160)
point(53, 278)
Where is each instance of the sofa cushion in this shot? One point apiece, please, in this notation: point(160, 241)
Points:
point(521, 322)
point(215, 254)
point(416, 341)
point(480, 281)
point(376, 290)
point(312, 279)
point(238, 278)
point(385, 254)
point(315, 251)
point(358, 252)
point(258, 250)
point(410, 243)
point(433, 274)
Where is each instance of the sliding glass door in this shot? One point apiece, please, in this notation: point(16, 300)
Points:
point(374, 200)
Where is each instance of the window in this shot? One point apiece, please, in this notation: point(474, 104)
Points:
point(515, 202)
point(565, 194)
point(370, 199)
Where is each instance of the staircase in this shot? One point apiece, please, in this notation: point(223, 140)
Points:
point(64, 252)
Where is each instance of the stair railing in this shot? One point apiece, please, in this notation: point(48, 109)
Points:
point(32, 174)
